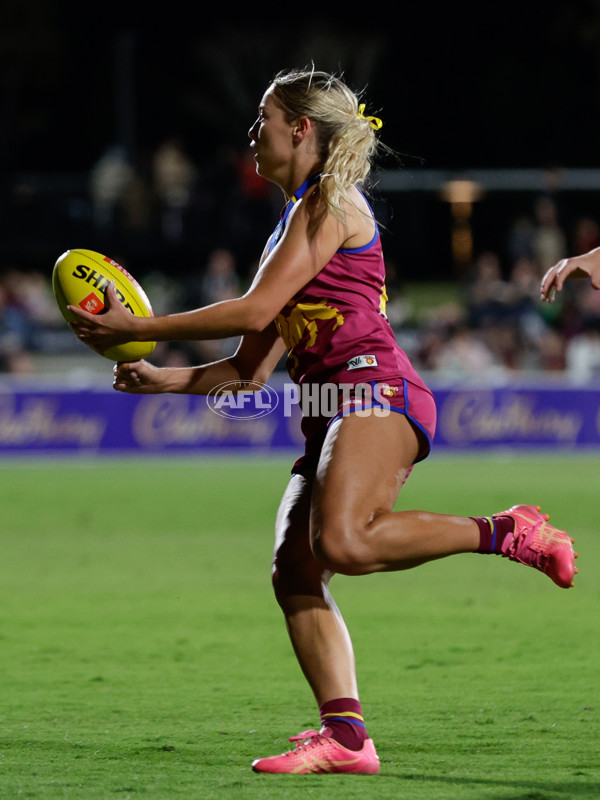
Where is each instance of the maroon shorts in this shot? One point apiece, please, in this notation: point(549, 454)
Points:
point(373, 397)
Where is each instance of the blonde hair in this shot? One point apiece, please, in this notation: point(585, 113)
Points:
point(346, 139)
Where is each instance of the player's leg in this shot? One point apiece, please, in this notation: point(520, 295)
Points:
point(301, 585)
point(364, 463)
point(323, 648)
point(355, 530)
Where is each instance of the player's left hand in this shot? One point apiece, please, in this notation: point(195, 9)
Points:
point(114, 326)
point(138, 377)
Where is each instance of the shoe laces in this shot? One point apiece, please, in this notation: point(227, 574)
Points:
point(537, 554)
point(306, 739)
point(544, 539)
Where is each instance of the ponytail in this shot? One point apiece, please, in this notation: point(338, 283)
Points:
point(346, 138)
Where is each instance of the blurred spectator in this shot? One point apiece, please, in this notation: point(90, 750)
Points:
point(434, 330)
point(551, 352)
point(486, 292)
point(27, 306)
point(252, 185)
point(173, 177)
point(255, 207)
point(505, 343)
point(582, 357)
point(524, 281)
point(219, 282)
point(219, 279)
point(549, 239)
point(166, 292)
point(109, 179)
point(520, 239)
point(586, 236)
point(523, 301)
point(466, 355)
point(134, 210)
point(398, 309)
point(587, 304)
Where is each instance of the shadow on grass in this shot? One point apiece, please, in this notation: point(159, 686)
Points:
point(531, 790)
point(101, 751)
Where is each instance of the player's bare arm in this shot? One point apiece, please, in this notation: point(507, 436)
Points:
point(253, 362)
point(310, 240)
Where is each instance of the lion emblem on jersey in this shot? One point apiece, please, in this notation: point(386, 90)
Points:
point(298, 322)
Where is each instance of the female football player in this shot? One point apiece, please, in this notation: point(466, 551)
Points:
point(319, 293)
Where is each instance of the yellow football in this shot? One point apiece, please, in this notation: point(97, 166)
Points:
point(80, 278)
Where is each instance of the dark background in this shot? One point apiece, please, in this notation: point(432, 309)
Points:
point(504, 85)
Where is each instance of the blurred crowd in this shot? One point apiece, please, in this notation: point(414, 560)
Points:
point(488, 323)
point(496, 325)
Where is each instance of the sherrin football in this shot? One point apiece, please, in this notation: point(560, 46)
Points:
point(80, 278)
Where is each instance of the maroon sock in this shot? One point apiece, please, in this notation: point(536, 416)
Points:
point(345, 720)
point(492, 532)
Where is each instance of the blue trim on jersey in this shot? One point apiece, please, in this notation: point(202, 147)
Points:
point(362, 248)
point(405, 393)
point(298, 194)
point(373, 240)
point(377, 404)
point(402, 411)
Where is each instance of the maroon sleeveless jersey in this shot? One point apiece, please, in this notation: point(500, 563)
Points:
point(336, 329)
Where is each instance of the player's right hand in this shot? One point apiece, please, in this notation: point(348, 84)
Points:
point(583, 266)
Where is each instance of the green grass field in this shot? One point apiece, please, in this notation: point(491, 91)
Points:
point(143, 655)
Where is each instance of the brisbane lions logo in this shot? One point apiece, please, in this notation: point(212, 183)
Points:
point(298, 323)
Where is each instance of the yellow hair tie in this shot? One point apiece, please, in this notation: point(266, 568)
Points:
point(374, 122)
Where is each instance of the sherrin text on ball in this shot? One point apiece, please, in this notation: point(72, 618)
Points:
point(80, 278)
